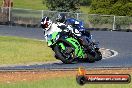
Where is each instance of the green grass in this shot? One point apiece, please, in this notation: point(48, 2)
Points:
point(28, 4)
point(85, 9)
point(14, 50)
point(1, 2)
point(65, 82)
point(38, 5)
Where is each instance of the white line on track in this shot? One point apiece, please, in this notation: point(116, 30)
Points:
point(115, 53)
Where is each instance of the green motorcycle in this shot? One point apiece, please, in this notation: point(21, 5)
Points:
point(68, 49)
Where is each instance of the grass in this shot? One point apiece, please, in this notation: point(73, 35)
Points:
point(0, 2)
point(37, 5)
point(14, 50)
point(28, 4)
point(65, 82)
point(85, 9)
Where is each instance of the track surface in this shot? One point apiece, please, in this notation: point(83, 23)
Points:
point(118, 41)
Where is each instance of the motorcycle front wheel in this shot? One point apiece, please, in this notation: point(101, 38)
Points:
point(90, 58)
point(65, 57)
point(98, 56)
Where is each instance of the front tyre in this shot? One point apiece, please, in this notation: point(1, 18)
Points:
point(98, 56)
point(90, 58)
point(65, 58)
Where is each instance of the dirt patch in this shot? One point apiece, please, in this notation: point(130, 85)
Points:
point(11, 77)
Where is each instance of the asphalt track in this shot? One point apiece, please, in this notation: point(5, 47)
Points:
point(118, 41)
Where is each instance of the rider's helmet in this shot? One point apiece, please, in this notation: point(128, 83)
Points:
point(61, 18)
point(46, 23)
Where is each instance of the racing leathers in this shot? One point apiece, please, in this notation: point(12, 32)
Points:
point(52, 29)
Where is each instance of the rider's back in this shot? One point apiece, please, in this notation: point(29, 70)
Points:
point(53, 28)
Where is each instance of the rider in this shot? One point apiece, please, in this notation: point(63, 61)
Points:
point(49, 27)
point(76, 25)
point(72, 22)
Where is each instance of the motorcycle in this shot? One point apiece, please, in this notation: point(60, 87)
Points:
point(68, 49)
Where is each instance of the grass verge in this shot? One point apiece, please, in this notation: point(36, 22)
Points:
point(14, 50)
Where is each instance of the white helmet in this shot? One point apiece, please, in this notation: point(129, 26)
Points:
point(46, 23)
